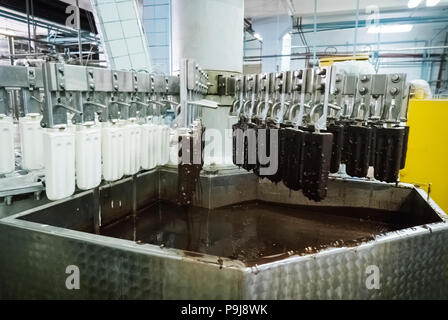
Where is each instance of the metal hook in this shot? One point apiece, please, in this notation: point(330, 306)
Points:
point(313, 110)
point(292, 109)
point(364, 107)
point(96, 104)
point(72, 110)
point(232, 108)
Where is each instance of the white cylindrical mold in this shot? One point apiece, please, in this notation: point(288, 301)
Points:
point(211, 32)
point(148, 152)
point(228, 140)
point(31, 140)
point(59, 163)
point(6, 145)
point(132, 145)
point(165, 145)
point(88, 157)
point(70, 126)
point(174, 148)
point(112, 149)
point(158, 144)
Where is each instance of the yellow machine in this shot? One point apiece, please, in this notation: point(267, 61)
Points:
point(427, 157)
point(328, 61)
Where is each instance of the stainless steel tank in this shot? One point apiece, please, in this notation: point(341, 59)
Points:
point(38, 243)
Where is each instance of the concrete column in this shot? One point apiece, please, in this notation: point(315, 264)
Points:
point(211, 32)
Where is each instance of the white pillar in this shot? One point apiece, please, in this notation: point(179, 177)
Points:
point(209, 31)
point(212, 33)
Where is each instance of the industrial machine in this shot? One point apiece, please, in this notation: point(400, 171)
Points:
point(80, 125)
point(116, 107)
point(112, 158)
point(132, 201)
point(317, 119)
point(21, 91)
point(426, 158)
point(295, 126)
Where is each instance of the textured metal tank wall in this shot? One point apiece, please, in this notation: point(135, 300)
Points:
point(37, 245)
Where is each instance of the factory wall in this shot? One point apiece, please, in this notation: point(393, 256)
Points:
point(121, 30)
point(420, 36)
point(273, 29)
point(157, 25)
point(211, 32)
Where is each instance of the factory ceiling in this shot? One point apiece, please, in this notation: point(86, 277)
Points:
point(267, 8)
point(50, 10)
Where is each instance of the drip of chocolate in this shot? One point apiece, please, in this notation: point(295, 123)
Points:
point(191, 162)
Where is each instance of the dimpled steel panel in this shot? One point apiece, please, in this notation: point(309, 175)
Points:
point(35, 262)
point(412, 263)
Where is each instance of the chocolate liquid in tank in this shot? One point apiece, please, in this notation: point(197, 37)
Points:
point(253, 232)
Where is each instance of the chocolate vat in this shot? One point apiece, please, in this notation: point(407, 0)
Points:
point(37, 244)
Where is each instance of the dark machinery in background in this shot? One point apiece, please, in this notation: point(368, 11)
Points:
point(318, 119)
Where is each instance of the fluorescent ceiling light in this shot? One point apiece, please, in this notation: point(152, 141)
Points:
point(390, 28)
point(414, 3)
point(258, 36)
point(432, 3)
